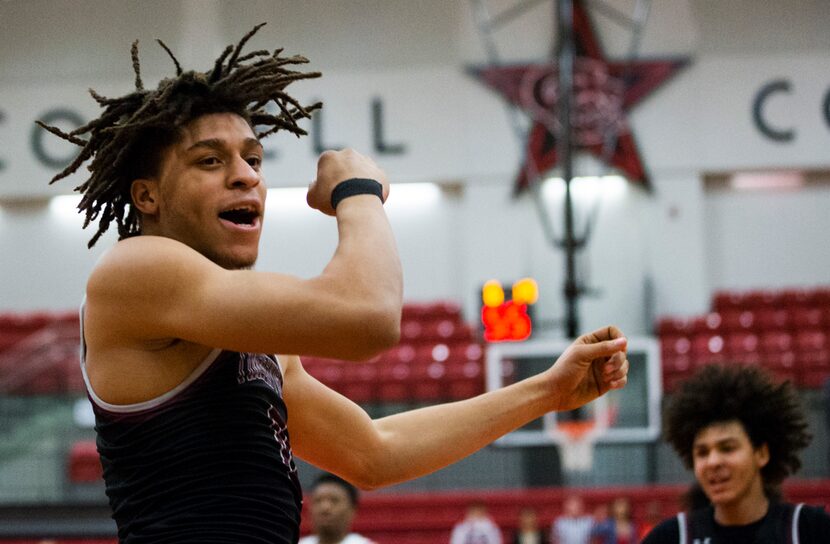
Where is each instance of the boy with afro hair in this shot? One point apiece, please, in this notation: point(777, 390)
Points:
point(741, 433)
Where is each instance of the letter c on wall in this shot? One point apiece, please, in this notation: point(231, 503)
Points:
point(826, 105)
point(773, 87)
point(50, 118)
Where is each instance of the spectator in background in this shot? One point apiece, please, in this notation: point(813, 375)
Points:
point(653, 515)
point(476, 528)
point(574, 525)
point(625, 530)
point(602, 531)
point(529, 531)
point(333, 506)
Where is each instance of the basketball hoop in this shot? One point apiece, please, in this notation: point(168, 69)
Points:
point(576, 437)
point(576, 444)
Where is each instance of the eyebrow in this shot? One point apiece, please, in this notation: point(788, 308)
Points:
point(720, 442)
point(219, 144)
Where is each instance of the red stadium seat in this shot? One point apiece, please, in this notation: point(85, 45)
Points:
point(673, 326)
point(412, 331)
point(808, 317)
point(438, 351)
point(764, 299)
point(84, 463)
point(709, 323)
point(777, 341)
point(729, 300)
point(778, 355)
point(797, 297)
point(743, 347)
point(470, 351)
point(428, 381)
point(402, 353)
point(427, 311)
point(465, 378)
point(738, 320)
point(821, 296)
point(360, 381)
point(671, 346)
point(708, 349)
point(676, 360)
point(774, 319)
point(394, 383)
point(676, 368)
point(811, 340)
point(812, 351)
point(328, 371)
point(446, 330)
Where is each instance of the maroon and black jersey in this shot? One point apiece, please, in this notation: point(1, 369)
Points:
point(208, 462)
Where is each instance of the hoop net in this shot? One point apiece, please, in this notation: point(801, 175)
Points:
point(577, 439)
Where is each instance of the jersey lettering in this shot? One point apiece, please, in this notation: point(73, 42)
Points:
point(256, 366)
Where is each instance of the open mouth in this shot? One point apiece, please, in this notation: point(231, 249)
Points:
point(718, 482)
point(240, 216)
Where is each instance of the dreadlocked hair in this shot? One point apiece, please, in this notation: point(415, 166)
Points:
point(770, 413)
point(127, 140)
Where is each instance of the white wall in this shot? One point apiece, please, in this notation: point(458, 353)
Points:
point(413, 55)
point(768, 239)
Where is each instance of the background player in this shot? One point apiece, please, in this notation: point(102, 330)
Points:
point(333, 506)
point(741, 433)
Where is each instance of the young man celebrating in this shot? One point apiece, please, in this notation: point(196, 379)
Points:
point(179, 334)
point(333, 506)
point(741, 433)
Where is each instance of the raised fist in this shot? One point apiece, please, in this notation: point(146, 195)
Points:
point(334, 167)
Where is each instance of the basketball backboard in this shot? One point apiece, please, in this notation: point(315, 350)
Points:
point(629, 415)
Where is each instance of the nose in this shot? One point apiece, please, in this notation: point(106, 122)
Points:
point(712, 458)
point(242, 175)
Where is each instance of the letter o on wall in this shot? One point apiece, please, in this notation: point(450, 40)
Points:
point(50, 118)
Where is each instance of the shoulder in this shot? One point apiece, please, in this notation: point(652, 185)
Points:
point(813, 523)
point(666, 532)
point(308, 540)
point(146, 267)
point(135, 255)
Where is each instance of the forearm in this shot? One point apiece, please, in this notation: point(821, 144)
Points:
point(422, 441)
point(366, 259)
point(366, 267)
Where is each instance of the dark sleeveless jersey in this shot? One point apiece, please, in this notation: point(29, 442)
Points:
point(784, 523)
point(208, 462)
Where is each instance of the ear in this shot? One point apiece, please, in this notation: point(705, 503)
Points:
point(762, 455)
point(145, 195)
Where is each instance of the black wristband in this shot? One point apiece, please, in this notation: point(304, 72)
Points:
point(355, 186)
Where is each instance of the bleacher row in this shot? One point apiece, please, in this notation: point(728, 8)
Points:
point(39, 353)
point(786, 331)
point(437, 359)
point(427, 518)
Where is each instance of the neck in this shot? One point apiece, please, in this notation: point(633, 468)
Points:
point(747, 509)
point(331, 538)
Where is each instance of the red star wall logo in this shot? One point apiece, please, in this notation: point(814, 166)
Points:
point(603, 92)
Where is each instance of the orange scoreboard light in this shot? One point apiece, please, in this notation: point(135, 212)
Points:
point(508, 321)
